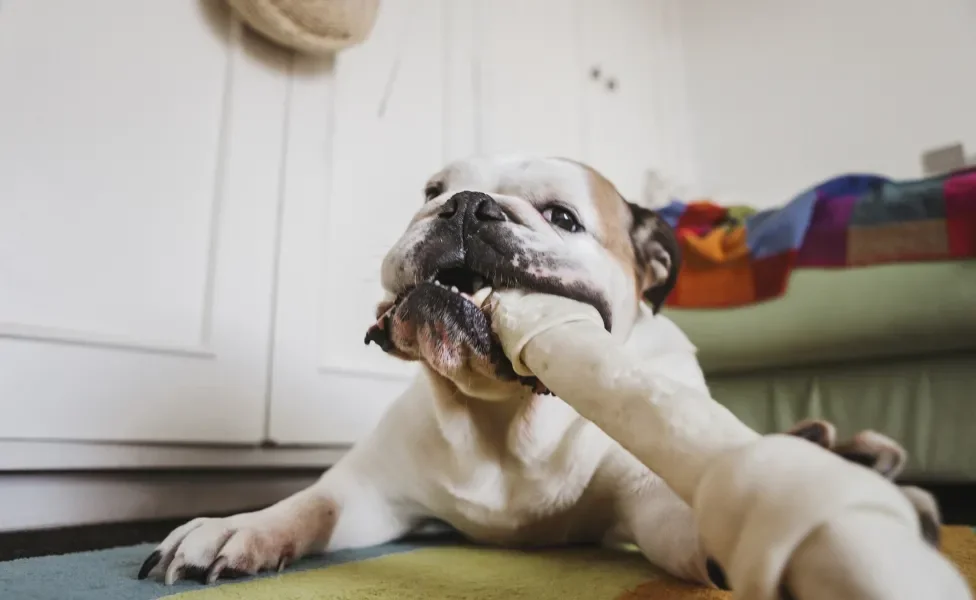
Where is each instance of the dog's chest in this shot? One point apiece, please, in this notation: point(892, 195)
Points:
point(537, 486)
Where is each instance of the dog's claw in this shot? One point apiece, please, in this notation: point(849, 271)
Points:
point(931, 532)
point(216, 568)
point(174, 572)
point(717, 575)
point(282, 564)
point(150, 564)
point(817, 431)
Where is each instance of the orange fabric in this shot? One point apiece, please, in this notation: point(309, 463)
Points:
point(718, 246)
point(716, 270)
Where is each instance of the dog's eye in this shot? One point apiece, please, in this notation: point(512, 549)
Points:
point(562, 218)
point(433, 190)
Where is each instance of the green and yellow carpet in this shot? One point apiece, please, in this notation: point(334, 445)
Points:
point(408, 571)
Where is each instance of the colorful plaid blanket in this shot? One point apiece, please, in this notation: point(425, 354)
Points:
point(733, 256)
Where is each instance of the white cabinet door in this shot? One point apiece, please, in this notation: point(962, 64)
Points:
point(596, 80)
point(364, 134)
point(530, 77)
point(635, 116)
point(140, 146)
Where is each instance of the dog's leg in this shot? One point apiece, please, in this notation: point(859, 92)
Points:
point(874, 451)
point(346, 508)
point(663, 527)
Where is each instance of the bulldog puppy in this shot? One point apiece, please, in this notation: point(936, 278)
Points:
point(470, 443)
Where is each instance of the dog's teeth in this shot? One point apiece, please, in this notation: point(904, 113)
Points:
point(480, 296)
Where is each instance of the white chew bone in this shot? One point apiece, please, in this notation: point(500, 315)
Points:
point(770, 509)
point(480, 296)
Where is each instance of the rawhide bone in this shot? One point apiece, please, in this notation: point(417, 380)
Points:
point(776, 511)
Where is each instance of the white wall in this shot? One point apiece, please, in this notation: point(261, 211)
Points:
point(785, 93)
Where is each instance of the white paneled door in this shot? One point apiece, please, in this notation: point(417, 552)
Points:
point(634, 107)
point(361, 143)
point(599, 81)
point(529, 76)
point(140, 145)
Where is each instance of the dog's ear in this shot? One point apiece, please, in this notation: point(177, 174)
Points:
point(657, 255)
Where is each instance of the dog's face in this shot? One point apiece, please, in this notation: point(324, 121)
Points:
point(536, 224)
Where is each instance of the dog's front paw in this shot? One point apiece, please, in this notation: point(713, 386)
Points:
point(883, 455)
point(871, 450)
point(208, 549)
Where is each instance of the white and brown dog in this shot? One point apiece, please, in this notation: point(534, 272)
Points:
point(470, 443)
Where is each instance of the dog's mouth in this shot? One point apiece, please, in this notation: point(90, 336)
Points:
point(467, 283)
point(460, 282)
point(474, 286)
point(449, 299)
point(459, 293)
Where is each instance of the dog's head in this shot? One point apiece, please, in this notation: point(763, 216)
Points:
point(537, 224)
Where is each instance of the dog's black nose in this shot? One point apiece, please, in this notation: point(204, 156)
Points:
point(476, 206)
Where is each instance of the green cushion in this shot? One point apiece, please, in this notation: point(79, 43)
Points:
point(842, 314)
